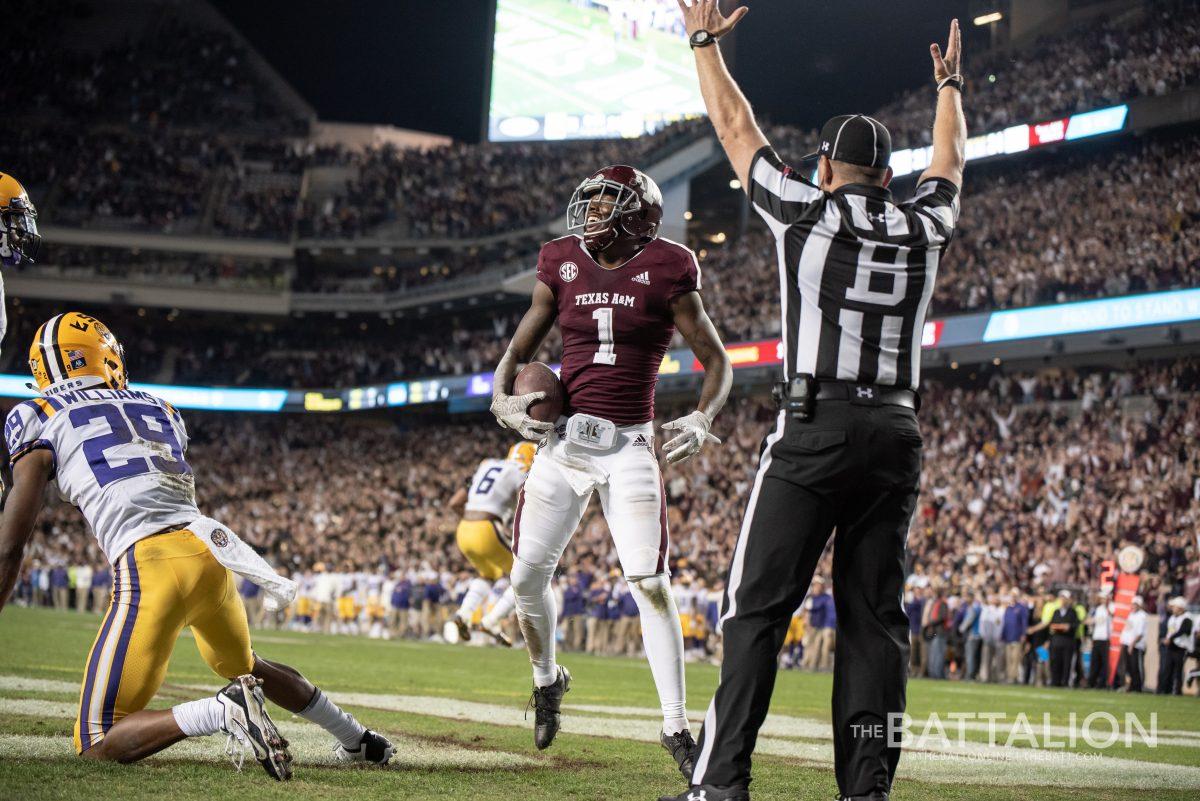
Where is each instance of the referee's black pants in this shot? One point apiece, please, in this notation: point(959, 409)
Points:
point(854, 468)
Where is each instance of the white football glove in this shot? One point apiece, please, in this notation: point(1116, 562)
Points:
point(694, 435)
point(512, 412)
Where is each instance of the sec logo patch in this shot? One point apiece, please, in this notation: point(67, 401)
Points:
point(568, 271)
point(220, 538)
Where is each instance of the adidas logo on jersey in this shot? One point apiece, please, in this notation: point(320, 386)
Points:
point(644, 278)
point(641, 442)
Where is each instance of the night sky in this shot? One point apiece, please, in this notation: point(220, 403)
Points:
point(422, 65)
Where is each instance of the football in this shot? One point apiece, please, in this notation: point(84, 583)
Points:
point(537, 377)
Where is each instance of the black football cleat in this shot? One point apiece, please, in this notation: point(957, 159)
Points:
point(546, 703)
point(496, 633)
point(373, 748)
point(682, 749)
point(710, 792)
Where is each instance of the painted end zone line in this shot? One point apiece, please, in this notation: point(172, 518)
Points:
point(793, 738)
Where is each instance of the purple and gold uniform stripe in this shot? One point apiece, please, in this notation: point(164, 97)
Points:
point(102, 681)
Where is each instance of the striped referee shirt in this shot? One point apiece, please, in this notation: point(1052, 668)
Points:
point(856, 271)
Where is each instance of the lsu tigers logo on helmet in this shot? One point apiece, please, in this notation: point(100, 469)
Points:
point(19, 239)
point(522, 453)
point(76, 351)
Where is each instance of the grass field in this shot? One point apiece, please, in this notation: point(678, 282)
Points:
point(457, 716)
point(552, 56)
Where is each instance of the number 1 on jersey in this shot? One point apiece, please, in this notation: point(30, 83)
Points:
point(607, 354)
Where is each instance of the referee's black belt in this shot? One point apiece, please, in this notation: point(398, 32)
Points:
point(809, 389)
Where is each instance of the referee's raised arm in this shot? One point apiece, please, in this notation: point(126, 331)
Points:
point(949, 125)
point(728, 110)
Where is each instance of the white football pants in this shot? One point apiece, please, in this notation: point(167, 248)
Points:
point(553, 501)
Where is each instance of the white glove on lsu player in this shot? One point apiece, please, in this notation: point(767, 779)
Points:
point(511, 411)
point(694, 436)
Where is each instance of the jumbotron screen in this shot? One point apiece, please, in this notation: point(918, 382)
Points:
point(589, 69)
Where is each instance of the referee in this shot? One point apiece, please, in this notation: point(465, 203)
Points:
point(856, 271)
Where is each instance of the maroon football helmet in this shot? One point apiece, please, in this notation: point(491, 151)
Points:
point(631, 208)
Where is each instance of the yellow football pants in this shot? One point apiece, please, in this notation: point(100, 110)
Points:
point(160, 585)
point(481, 543)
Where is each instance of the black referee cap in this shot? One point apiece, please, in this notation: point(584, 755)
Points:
point(855, 139)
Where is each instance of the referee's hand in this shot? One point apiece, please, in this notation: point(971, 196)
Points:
point(705, 15)
point(951, 63)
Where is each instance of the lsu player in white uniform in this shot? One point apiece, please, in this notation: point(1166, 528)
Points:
point(118, 455)
point(488, 503)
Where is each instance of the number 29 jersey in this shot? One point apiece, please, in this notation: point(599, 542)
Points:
point(616, 324)
point(118, 456)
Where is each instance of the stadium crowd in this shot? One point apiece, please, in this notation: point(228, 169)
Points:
point(151, 103)
point(462, 190)
point(1086, 66)
point(1135, 234)
point(1030, 482)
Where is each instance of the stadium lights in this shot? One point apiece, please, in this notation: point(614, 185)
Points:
point(988, 19)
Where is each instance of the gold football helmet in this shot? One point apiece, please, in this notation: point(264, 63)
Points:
point(76, 351)
point(522, 453)
point(19, 239)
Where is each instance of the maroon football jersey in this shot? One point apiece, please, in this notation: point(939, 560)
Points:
point(616, 324)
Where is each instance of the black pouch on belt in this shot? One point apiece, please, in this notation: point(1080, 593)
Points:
point(798, 396)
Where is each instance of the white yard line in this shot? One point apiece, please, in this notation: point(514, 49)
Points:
point(804, 739)
point(309, 744)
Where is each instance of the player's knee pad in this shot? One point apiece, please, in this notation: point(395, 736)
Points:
point(527, 580)
point(652, 594)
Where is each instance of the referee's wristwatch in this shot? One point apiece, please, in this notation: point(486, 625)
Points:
point(701, 39)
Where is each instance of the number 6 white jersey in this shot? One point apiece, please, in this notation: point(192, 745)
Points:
point(118, 456)
point(494, 487)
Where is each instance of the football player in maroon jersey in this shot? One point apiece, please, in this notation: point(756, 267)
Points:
point(618, 292)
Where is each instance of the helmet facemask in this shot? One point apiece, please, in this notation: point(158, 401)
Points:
point(118, 378)
point(596, 210)
point(19, 239)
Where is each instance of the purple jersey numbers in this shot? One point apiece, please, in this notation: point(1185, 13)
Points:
point(148, 422)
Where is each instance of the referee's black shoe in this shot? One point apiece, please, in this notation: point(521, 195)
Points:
point(875, 796)
point(682, 748)
point(710, 792)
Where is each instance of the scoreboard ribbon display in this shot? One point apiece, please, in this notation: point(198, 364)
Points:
point(1020, 138)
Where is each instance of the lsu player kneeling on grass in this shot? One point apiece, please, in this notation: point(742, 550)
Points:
point(487, 505)
point(118, 455)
